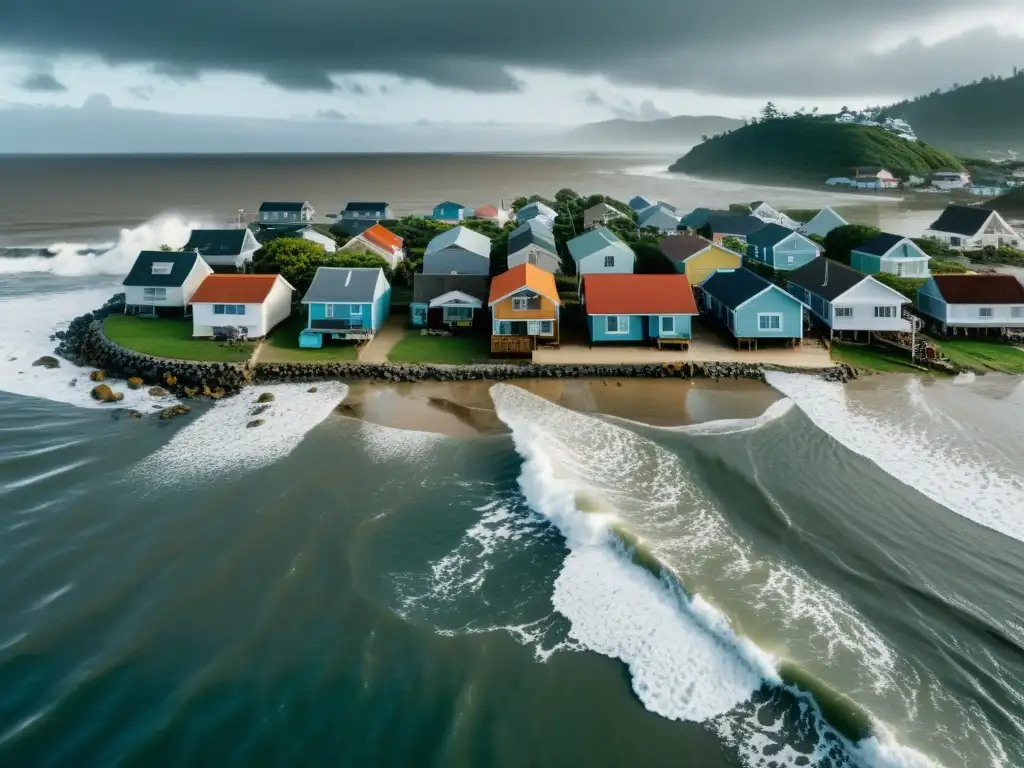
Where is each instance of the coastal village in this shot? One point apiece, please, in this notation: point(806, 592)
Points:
point(576, 281)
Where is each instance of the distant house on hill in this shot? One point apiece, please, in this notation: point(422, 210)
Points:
point(378, 240)
point(163, 282)
point(696, 257)
point(866, 178)
point(600, 251)
point(658, 217)
point(459, 251)
point(950, 179)
point(965, 227)
point(223, 247)
point(781, 248)
point(533, 243)
point(251, 304)
point(954, 303)
point(893, 254)
point(543, 213)
point(449, 212)
point(823, 222)
point(285, 213)
point(599, 215)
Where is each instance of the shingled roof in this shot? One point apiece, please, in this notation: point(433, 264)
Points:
point(980, 289)
point(826, 278)
point(678, 248)
point(732, 287)
point(216, 242)
point(962, 220)
point(142, 273)
point(529, 233)
point(880, 244)
point(428, 287)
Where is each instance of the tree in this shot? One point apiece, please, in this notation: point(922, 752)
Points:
point(518, 203)
point(770, 111)
point(364, 260)
point(706, 232)
point(841, 240)
point(168, 249)
point(734, 244)
point(294, 258)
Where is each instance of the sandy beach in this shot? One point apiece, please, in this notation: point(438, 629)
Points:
point(464, 409)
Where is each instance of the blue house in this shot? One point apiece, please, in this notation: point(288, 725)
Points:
point(345, 303)
point(752, 308)
point(449, 211)
point(638, 308)
point(781, 248)
point(658, 217)
point(640, 202)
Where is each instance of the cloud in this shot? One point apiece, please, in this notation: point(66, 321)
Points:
point(142, 92)
point(800, 48)
point(646, 111)
point(41, 82)
point(330, 114)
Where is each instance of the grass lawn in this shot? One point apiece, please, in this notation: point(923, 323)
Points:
point(171, 337)
point(872, 358)
point(282, 346)
point(984, 355)
point(448, 350)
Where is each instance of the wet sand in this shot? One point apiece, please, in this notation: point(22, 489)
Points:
point(465, 409)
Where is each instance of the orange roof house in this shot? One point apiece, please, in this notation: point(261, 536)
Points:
point(380, 241)
point(252, 304)
point(524, 309)
point(638, 308)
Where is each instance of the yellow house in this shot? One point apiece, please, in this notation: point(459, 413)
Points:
point(698, 258)
point(524, 310)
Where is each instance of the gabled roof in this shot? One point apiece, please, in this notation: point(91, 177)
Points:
point(771, 234)
point(343, 285)
point(216, 242)
point(293, 206)
point(536, 209)
point(486, 211)
point(734, 224)
point(529, 233)
point(639, 202)
point(595, 240)
point(733, 287)
point(358, 206)
point(824, 220)
point(697, 218)
point(523, 276)
point(679, 248)
point(669, 206)
point(461, 237)
point(235, 289)
point(657, 216)
point(602, 208)
point(826, 278)
point(881, 244)
point(141, 273)
point(980, 289)
point(448, 204)
point(962, 220)
point(428, 287)
point(638, 295)
point(381, 236)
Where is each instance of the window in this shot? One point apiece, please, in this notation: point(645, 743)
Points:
point(885, 311)
point(328, 311)
point(616, 324)
point(844, 311)
point(609, 262)
point(1016, 311)
point(789, 259)
point(668, 325)
point(154, 294)
point(455, 314)
point(984, 311)
point(769, 321)
point(533, 328)
point(218, 309)
point(162, 267)
point(899, 269)
point(520, 302)
point(532, 258)
point(355, 309)
point(546, 327)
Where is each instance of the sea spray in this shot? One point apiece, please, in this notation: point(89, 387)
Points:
point(772, 413)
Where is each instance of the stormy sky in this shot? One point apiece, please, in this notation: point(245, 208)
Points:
point(404, 62)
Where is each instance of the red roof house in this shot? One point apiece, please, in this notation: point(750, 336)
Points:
point(637, 308)
point(378, 240)
point(251, 304)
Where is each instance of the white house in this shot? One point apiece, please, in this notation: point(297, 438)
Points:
point(286, 213)
point(968, 228)
point(499, 216)
point(377, 240)
point(823, 222)
point(254, 304)
point(950, 179)
point(163, 282)
point(533, 243)
point(964, 302)
point(600, 214)
point(599, 251)
point(894, 254)
point(769, 215)
point(223, 247)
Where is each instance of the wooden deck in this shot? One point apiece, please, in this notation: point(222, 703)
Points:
point(512, 345)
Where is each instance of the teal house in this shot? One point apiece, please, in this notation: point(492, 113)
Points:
point(345, 304)
point(638, 309)
point(781, 248)
point(894, 254)
point(449, 211)
point(752, 308)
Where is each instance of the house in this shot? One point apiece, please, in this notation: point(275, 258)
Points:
point(252, 304)
point(525, 310)
point(533, 243)
point(894, 254)
point(449, 211)
point(599, 215)
point(223, 247)
point(357, 216)
point(781, 248)
point(640, 202)
point(993, 189)
point(499, 216)
point(966, 227)
point(955, 302)
point(638, 308)
point(543, 213)
point(302, 231)
point(696, 257)
point(163, 282)
point(446, 300)
point(599, 250)
point(824, 221)
point(950, 179)
point(769, 215)
point(379, 241)
point(752, 308)
point(345, 303)
point(458, 251)
point(658, 217)
point(285, 213)
point(847, 301)
point(727, 224)
point(874, 178)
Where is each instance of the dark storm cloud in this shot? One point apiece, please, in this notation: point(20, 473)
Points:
point(41, 82)
point(742, 47)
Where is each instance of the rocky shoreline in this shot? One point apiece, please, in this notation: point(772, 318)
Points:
point(84, 343)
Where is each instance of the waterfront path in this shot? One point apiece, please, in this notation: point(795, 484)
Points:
point(384, 340)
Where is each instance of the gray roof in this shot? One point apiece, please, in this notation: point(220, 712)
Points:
point(462, 237)
point(732, 287)
point(826, 278)
point(880, 244)
point(216, 242)
point(962, 220)
point(428, 287)
point(141, 273)
point(530, 233)
point(657, 216)
point(594, 241)
point(343, 285)
point(282, 206)
point(358, 206)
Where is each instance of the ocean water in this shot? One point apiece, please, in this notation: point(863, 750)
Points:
point(834, 582)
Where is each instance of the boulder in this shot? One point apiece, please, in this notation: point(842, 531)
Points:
point(266, 397)
point(135, 414)
point(105, 394)
point(158, 392)
point(97, 376)
point(311, 389)
point(47, 361)
point(255, 423)
point(259, 409)
point(173, 411)
point(135, 383)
